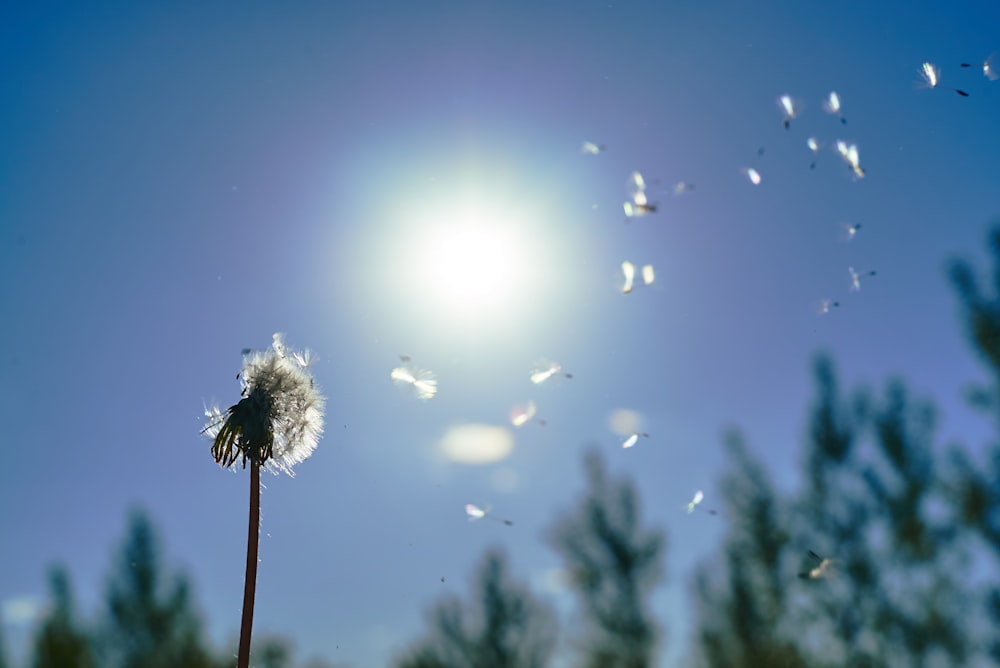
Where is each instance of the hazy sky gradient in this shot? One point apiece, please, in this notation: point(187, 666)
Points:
point(178, 182)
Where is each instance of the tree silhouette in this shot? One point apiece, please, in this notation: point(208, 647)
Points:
point(896, 539)
point(59, 641)
point(613, 564)
point(151, 617)
point(3, 648)
point(504, 627)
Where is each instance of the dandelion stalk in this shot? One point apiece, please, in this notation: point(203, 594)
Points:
point(275, 425)
point(250, 585)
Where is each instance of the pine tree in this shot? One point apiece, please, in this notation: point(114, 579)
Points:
point(151, 617)
point(613, 563)
point(60, 642)
point(504, 627)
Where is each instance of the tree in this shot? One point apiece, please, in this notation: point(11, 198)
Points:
point(613, 564)
point(60, 642)
point(504, 627)
point(151, 617)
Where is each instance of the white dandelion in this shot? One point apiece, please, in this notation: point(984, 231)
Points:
point(276, 425)
point(278, 422)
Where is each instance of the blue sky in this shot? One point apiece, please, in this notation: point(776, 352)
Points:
point(178, 183)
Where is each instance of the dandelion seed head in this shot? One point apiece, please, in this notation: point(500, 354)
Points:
point(277, 423)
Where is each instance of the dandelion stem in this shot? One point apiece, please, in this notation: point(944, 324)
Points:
point(250, 586)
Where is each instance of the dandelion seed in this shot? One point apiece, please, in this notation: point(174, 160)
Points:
point(816, 567)
point(989, 67)
point(304, 359)
point(825, 305)
point(788, 108)
point(633, 439)
point(682, 187)
point(545, 369)
point(695, 500)
point(423, 382)
point(589, 148)
point(637, 204)
point(814, 146)
point(856, 278)
point(522, 415)
point(931, 76)
point(475, 513)
point(628, 270)
point(850, 230)
point(832, 106)
point(849, 152)
point(752, 174)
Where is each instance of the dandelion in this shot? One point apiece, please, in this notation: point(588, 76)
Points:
point(849, 152)
point(276, 425)
point(545, 369)
point(788, 107)
point(423, 382)
point(832, 106)
point(931, 76)
point(633, 439)
point(589, 148)
point(816, 567)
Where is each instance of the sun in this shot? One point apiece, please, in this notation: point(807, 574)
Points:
point(471, 263)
